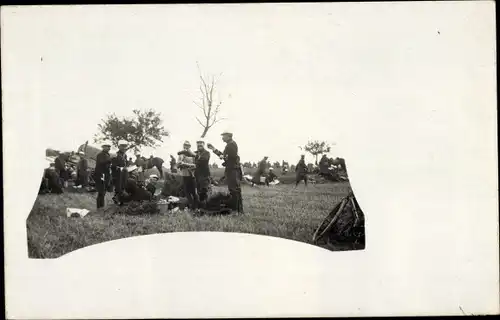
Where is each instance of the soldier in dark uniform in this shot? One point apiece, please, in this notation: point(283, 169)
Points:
point(102, 174)
point(51, 182)
point(301, 171)
point(202, 172)
point(118, 167)
point(324, 167)
point(271, 176)
point(60, 166)
point(134, 192)
point(232, 172)
point(261, 171)
point(82, 171)
point(173, 162)
point(151, 184)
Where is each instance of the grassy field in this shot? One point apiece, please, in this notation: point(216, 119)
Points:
point(278, 211)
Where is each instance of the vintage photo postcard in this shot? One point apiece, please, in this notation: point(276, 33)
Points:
point(250, 160)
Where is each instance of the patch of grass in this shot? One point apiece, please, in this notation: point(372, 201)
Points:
point(277, 211)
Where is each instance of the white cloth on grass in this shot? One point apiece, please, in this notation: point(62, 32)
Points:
point(80, 212)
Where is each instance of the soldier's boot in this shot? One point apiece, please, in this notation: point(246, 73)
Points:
point(115, 199)
point(240, 204)
point(233, 202)
point(203, 201)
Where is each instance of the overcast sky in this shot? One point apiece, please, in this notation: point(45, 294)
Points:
point(288, 71)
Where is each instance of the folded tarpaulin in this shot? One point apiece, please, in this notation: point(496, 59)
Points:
point(71, 212)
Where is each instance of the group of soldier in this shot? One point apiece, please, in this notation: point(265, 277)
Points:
point(127, 177)
point(122, 176)
point(194, 168)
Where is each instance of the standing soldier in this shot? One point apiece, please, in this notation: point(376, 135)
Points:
point(187, 166)
point(118, 167)
point(102, 174)
point(284, 169)
point(232, 172)
point(202, 172)
point(173, 165)
point(82, 170)
point(301, 171)
point(261, 171)
point(324, 168)
point(140, 168)
point(144, 164)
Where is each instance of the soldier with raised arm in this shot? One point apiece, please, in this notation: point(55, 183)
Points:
point(232, 172)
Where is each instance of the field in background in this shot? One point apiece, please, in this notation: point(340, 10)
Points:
point(277, 211)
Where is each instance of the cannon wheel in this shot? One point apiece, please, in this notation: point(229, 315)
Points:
point(329, 220)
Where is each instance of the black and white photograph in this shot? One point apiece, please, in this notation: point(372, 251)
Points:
point(93, 194)
point(189, 130)
point(250, 160)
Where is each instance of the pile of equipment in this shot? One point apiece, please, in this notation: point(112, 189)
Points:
point(344, 224)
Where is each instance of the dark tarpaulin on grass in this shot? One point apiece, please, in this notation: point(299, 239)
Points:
point(345, 224)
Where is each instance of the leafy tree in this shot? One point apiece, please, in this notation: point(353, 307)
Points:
point(254, 165)
point(317, 148)
point(277, 165)
point(144, 129)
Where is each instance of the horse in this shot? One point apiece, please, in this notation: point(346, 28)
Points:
point(155, 162)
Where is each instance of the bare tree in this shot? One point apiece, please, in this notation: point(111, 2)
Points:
point(207, 104)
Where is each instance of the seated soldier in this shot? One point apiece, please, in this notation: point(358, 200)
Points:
point(261, 170)
point(217, 204)
point(132, 189)
point(54, 183)
point(151, 184)
point(284, 170)
point(271, 176)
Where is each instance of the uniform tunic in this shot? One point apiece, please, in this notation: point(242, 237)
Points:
point(187, 167)
point(102, 176)
point(202, 173)
point(301, 171)
point(232, 173)
point(119, 172)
